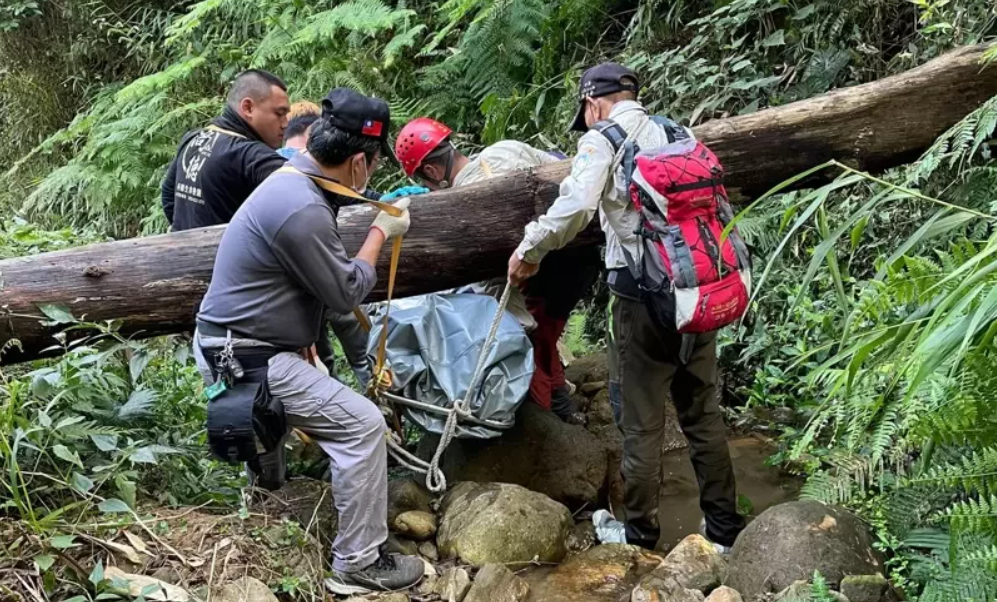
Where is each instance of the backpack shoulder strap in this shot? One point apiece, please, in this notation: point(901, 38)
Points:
point(613, 132)
point(619, 138)
point(673, 130)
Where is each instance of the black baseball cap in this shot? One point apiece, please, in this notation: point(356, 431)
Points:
point(602, 80)
point(358, 114)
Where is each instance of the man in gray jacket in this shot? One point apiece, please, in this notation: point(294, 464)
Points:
point(644, 355)
point(280, 264)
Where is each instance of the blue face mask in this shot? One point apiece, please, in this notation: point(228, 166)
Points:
point(287, 152)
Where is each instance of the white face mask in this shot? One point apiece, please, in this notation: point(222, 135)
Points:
point(366, 177)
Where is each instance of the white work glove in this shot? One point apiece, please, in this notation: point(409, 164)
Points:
point(391, 226)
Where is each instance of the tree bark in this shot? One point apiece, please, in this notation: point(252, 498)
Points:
point(154, 285)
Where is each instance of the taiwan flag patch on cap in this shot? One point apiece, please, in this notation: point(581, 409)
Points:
point(372, 128)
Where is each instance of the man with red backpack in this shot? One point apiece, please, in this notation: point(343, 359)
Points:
point(675, 278)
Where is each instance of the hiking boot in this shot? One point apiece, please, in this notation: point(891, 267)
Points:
point(608, 529)
point(391, 572)
point(564, 408)
point(724, 551)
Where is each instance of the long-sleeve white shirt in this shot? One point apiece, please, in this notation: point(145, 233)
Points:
point(596, 183)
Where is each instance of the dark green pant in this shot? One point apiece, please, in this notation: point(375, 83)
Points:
point(647, 367)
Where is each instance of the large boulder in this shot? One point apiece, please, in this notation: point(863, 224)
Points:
point(563, 461)
point(655, 588)
point(695, 564)
point(606, 573)
point(485, 523)
point(788, 542)
point(495, 583)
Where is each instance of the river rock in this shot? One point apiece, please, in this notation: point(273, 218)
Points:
point(590, 389)
point(606, 573)
point(452, 585)
point(400, 545)
point(864, 588)
point(790, 541)
point(562, 461)
point(245, 589)
point(427, 550)
point(695, 564)
point(654, 588)
point(406, 495)
point(724, 594)
point(485, 523)
point(416, 524)
point(495, 583)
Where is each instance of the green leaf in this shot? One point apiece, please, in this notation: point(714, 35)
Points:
point(69, 421)
point(58, 314)
point(63, 453)
point(105, 443)
point(81, 483)
point(44, 562)
point(804, 12)
point(62, 542)
point(113, 505)
point(126, 489)
point(97, 575)
point(139, 404)
point(142, 455)
point(136, 366)
point(776, 38)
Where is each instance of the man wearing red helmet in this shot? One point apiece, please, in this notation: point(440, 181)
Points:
point(425, 151)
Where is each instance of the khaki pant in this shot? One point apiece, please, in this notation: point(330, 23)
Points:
point(646, 368)
point(350, 430)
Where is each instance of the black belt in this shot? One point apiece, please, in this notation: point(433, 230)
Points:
point(213, 330)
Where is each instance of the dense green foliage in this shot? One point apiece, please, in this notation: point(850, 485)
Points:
point(874, 320)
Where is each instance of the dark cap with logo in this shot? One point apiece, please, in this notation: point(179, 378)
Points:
point(358, 114)
point(602, 80)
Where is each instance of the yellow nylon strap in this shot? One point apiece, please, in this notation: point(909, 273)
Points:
point(382, 378)
point(362, 318)
point(337, 188)
point(215, 128)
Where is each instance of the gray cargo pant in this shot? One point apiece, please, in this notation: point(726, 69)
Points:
point(645, 368)
point(350, 430)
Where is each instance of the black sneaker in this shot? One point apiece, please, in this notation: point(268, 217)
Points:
point(391, 572)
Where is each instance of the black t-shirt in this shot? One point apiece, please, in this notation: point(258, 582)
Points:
point(214, 172)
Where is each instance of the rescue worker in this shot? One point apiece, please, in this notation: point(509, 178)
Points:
point(351, 333)
point(217, 167)
point(280, 264)
point(646, 354)
point(426, 152)
point(296, 135)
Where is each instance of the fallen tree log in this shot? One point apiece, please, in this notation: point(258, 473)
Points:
point(154, 285)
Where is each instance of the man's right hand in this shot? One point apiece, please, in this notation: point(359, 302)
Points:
point(391, 226)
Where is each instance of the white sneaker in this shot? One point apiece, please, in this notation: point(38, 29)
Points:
point(724, 551)
point(608, 529)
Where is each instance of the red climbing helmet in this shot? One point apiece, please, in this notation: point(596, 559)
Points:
point(417, 139)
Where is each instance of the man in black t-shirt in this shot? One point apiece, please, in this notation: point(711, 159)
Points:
point(217, 167)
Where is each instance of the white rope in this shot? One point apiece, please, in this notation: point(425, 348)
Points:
point(436, 481)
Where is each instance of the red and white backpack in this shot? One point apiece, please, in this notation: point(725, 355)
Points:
point(693, 279)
